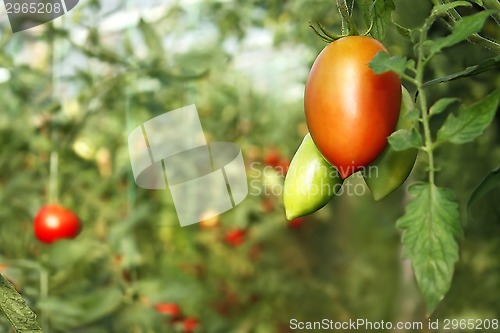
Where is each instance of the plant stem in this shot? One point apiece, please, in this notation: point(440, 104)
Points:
point(44, 293)
point(421, 63)
point(53, 182)
point(348, 27)
point(454, 16)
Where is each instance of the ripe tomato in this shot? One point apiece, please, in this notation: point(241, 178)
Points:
point(170, 309)
point(272, 157)
point(54, 222)
point(350, 111)
point(235, 237)
point(296, 223)
point(190, 324)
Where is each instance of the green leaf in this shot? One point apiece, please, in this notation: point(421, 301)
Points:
point(495, 6)
point(470, 122)
point(491, 181)
point(483, 66)
point(14, 307)
point(443, 9)
point(405, 32)
point(441, 105)
point(464, 28)
point(431, 227)
point(377, 14)
point(413, 115)
point(405, 139)
point(383, 62)
point(152, 39)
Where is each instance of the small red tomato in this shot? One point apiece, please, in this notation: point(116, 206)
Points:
point(190, 324)
point(170, 309)
point(296, 223)
point(54, 222)
point(235, 237)
point(272, 157)
point(283, 166)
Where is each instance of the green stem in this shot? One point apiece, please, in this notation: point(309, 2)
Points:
point(421, 63)
point(454, 16)
point(53, 181)
point(44, 293)
point(348, 26)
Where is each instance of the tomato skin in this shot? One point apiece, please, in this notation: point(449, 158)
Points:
point(310, 183)
point(235, 237)
point(54, 222)
point(350, 110)
point(190, 324)
point(170, 309)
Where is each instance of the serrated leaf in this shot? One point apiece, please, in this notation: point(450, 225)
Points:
point(14, 307)
point(405, 139)
point(441, 105)
point(383, 62)
point(483, 66)
point(470, 122)
point(431, 227)
point(444, 8)
point(382, 10)
point(464, 28)
point(489, 182)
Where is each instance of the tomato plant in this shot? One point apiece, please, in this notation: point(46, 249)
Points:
point(350, 110)
point(54, 222)
point(352, 105)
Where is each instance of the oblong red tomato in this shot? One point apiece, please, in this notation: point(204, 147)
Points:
point(350, 110)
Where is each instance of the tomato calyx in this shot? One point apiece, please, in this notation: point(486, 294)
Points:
point(348, 26)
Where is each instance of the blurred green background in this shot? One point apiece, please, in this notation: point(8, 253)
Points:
point(79, 85)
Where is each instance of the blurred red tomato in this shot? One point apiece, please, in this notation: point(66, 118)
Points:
point(296, 223)
point(54, 222)
point(190, 324)
point(272, 157)
point(235, 237)
point(170, 309)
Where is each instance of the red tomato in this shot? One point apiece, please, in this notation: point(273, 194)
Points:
point(272, 157)
point(190, 324)
point(296, 223)
point(350, 111)
point(54, 222)
point(170, 309)
point(235, 237)
point(283, 166)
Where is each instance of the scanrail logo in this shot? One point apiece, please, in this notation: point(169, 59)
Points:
point(205, 179)
point(26, 14)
